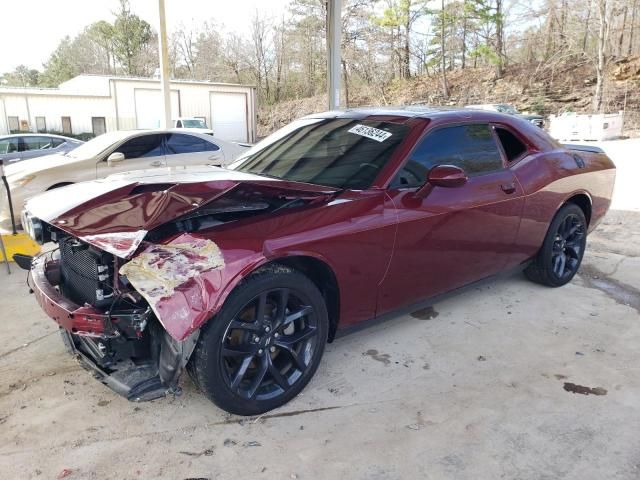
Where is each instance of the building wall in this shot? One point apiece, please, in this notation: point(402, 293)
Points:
point(114, 99)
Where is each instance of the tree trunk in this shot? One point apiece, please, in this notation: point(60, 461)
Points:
point(624, 25)
point(499, 39)
point(345, 80)
point(464, 33)
point(586, 28)
point(445, 84)
point(601, 61)
point(406, 59)
point(633, 24)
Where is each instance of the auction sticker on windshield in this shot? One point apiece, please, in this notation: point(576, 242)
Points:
point(370, 132)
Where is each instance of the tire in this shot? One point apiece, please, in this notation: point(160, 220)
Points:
point(248, 367)
point(566, 238)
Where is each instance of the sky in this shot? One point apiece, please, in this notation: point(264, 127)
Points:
point(31, 29)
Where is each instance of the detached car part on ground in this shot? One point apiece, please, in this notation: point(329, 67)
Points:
point(241, 276)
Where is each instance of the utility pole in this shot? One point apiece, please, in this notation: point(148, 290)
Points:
point(165, 86)
point(334, 35)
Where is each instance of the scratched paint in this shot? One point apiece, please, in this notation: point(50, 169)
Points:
point(160, 269)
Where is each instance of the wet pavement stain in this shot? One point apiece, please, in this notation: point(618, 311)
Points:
point(428, 313)
point(380, 357)
point(573, 388)
point(620, 292)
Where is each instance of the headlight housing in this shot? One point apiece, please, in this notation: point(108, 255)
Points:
point(33, 226)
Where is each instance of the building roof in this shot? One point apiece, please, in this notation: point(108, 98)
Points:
point(98, 85)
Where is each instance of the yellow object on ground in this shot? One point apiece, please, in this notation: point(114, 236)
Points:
point(18, 243)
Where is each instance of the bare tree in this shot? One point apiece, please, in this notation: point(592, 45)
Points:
point(601, 61)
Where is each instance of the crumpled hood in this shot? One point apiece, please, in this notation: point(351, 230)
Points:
point(116, 213)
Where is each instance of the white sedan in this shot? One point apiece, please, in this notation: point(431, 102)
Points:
point(110, 153)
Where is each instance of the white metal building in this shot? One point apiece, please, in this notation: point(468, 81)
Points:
point(98, 103)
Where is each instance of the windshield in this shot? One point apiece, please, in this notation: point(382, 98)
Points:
point(342, 153)
point(194, 123)
point(502, 108)
point(96, 146)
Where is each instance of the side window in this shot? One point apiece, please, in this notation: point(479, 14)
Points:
point(37, 143)
point(56, 142)
point(8, 145)
point(470, 147)
point(512, 146)
point(180, 143)
point(179, 124)
point(142, 146)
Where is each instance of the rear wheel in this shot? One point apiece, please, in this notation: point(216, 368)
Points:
point(264, 345)
point(561, 254)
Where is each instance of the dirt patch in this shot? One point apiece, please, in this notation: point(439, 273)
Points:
point(380, 357)
point(428, 313)
point(620, 292)
point(582, 390)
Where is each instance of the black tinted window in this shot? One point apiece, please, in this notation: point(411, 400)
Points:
point(470, 147)
point(180, 143)
point(143, 146)
point(512, 146)
point(343, 153)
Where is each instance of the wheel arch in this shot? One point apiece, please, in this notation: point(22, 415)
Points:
point(321, 274)
point(582, 200)
point(59, 185)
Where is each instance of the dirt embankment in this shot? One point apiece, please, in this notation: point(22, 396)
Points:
point(549, 88)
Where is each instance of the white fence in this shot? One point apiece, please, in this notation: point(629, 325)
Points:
point(572, 126)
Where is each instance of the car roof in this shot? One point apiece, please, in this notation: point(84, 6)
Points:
point(26, 135)
point(416, 111)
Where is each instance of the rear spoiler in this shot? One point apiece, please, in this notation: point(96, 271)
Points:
point(582, 148)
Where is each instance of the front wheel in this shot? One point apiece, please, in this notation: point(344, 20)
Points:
point(264, 345)
point(561, 254)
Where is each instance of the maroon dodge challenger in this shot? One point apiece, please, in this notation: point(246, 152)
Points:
point(241, 275)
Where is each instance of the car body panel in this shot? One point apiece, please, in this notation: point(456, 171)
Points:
point(385, 247)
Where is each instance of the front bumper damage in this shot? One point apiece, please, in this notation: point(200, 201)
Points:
point(129, 352)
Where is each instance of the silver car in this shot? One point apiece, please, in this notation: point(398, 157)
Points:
point(23, 146)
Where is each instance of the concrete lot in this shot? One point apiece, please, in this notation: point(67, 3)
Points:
point(472, 390)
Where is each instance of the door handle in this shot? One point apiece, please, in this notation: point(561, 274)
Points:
point(156, 163)
point(508, 187)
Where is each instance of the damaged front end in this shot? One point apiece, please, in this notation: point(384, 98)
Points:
point(106, 324)
point(136, 273)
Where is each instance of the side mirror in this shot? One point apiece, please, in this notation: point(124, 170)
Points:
point(115, 157)
point(448, 176)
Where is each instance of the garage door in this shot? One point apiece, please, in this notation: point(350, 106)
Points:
point(149, 107)
point(229, 116)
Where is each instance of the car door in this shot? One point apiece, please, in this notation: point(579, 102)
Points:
point(141, 152)
point(452, 236)
point(185, 149)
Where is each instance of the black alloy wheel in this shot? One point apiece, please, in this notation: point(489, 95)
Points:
point(264, 345)
point(568, 246)
point(269, 344)
point(560, 256)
